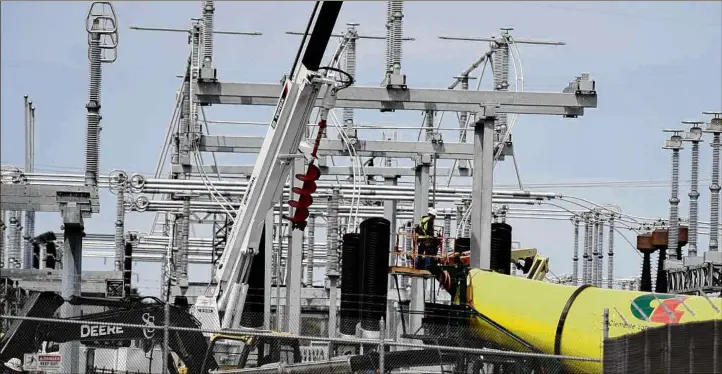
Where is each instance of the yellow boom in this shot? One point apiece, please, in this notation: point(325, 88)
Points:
point(568, 320)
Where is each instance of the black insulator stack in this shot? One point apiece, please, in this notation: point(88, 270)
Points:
point(645, 284)
point(661, 284)
point(350, 290)
point(501, 248)
point(462, 245)
point(374, 260)
point(252, 316)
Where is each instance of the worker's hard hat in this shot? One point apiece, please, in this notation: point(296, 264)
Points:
point(14, 364)
point(432, 211)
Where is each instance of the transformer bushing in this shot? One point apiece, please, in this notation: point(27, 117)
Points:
point(447, 232)
point(347, 114)
point(207, 71)
point(575, 259)
point(14, 235)
point(394, 37)
point(714, 127)
point(600, 250)
point(610, 254)
point(102, 27)
point(674, 143)
point(587, 246)
point(500, 63)
point(594, 241)
point(694, 135)
point(119, 182)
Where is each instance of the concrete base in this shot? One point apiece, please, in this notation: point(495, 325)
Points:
point(693, 260)
point(713, 257)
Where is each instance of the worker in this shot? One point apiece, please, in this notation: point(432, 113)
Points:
point(13, 366)
point(427, 242)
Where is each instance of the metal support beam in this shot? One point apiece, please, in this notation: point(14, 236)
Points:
point(380, 98)
point(294, 266)
point(421, 206)
point(482, 184)
point(268, 273)
point(44, 198)
point(332, 240)
point(49, 280)
point(328, 147)
point(390, 214)
point(72, 270)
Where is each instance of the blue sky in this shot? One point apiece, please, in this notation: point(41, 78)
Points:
point(655, 63)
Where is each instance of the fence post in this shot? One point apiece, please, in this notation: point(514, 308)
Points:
point(691, 354)
point(647, 362)
point(382, 346)
point(668, 350)
point(715, 347)
point(605, 333)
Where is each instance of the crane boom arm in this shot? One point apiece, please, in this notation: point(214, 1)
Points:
point(283, 138)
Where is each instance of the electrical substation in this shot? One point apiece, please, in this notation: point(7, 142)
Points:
point(333, 252)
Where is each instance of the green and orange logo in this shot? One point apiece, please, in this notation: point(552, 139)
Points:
point(658, 308)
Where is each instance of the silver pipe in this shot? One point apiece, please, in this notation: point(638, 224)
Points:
point(177, 186)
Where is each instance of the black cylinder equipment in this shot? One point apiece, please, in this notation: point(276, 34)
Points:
point(501, 248)
point(374, 260)
point(252, 316)
point(462, 245)
point(350, 313)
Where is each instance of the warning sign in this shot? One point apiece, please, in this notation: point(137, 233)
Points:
point(46, 362)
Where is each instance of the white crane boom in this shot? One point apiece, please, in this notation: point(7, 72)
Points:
point(286, 130)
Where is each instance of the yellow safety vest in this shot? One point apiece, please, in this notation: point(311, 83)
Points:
point(424, 228)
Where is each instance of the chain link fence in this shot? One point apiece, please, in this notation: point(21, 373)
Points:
point(99, 341)
point(673, 348)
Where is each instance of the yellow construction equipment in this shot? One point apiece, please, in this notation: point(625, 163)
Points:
point(568, 320)
point(534, 266)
